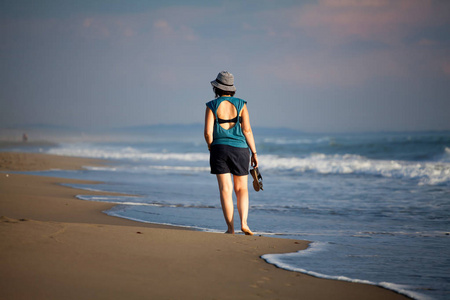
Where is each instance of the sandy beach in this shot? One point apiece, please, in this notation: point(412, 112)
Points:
point(55, 246)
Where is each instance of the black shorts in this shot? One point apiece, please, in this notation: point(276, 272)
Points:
point(227, 159)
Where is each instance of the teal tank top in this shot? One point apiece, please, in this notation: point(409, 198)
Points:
point(234, 136)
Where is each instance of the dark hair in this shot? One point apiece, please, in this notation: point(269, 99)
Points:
point(220, 93)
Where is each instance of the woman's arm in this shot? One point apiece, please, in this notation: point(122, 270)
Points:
point(248, 133)
point(209, 126)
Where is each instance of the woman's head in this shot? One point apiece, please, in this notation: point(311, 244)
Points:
point(224, 84)
point(220, 93)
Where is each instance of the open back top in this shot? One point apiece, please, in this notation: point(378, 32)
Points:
point(228, 131)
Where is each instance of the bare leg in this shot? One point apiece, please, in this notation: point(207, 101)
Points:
point(241, 190)
point(226, 199)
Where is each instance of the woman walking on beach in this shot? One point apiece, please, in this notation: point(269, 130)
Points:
point(229, 137)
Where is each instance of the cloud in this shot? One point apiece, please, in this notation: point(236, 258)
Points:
point(324, 69)
point(96, 28)
point(175, 23)
point(383, 20)
point(446, 67)
point(350, 42)
point(182, 32)
point(164, 26)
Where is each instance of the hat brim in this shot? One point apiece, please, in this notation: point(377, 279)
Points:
point(223, 87)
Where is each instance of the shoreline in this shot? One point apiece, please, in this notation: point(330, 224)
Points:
point(56, 245)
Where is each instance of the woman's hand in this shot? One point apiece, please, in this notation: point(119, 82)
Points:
point(254, 160)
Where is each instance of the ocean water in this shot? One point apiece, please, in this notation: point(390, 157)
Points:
point(376, 207)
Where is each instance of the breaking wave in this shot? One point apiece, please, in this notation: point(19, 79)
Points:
point(432, 173)
point(425, 172)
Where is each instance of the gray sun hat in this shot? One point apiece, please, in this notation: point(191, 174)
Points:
point(224, 81)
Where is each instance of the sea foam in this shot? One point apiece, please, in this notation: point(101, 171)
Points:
point(432, 173)
point(426, 173)
point(124, 153)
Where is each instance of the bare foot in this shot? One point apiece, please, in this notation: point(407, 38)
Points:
point(247, 231)
point(229, 232)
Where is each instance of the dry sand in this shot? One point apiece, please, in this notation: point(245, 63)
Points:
point(54, 246)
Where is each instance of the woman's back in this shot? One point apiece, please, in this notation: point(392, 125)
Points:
point(227, 112)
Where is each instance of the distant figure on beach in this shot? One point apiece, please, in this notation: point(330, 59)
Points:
point(24, 137)
point(229, 136)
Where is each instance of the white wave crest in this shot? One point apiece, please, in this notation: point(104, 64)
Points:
point(431, 173)
point(125, 153)
point(300, 141)
point(427, 173)
point(446, 155)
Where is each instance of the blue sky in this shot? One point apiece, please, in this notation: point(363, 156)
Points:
point(315, 66)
